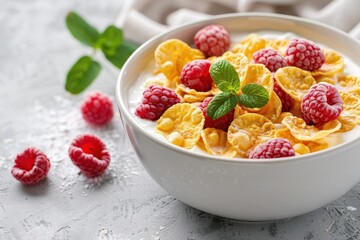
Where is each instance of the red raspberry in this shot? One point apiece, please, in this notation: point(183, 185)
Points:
point(196, 75)
point(270, 58)
point(155, 101)
point(212, 40)
point(89, 153)
point(322, 103)
point(222, 123)
point(97, 109)
point(31, 166)
point(273, 148)
point(304, 54)
point(286, 100)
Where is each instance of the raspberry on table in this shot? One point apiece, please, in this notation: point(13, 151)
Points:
point(156, 100)
point(97, 109)
point(89, 154)
point(286, 100)
point(196, 75)
point(222, 123)
point(273, 148)
point(212, 40)
point(31, 166)
point(270, 58)
point(304, 54)
point(322, 103)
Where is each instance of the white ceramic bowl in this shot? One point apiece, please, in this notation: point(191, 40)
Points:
point(252, 190)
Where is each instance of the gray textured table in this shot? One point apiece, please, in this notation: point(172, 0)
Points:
point(35, 53)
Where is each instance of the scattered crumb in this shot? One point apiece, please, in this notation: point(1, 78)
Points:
point(350, 208)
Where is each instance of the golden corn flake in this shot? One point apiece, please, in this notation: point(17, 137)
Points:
point(296, 109)
point(272, 109)
point(200, 144)
point(282, 116)
point(238, 60)
point(351, 108)
point(216, 143)
point(350, 100)
point(239, 111)
point(294, 81)
point(246, 130)
point(300, 147)
point(249, 45)
point(190, 95)
point(155, 81)
point(349, 83)
point(303, 132)
point(347, 122)
point(258, 73)
point(326, 79)
point(334, 64)
point(171, 56)
point(181, 124)
point(279, 45)
point(317, 146)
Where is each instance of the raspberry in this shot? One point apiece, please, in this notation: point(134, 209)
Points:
point(155, 101)
point(273, 148)
point(196, 75)
point(89, 154)
point(322, 103)
point(304, 54)
point(286, 100)
point(31, 166)
point(97, 109)
point(212, 40)
point(270, 58)
point(222, 123)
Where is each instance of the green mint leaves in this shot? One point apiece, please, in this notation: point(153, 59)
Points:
point(253, 96)
point(225, 76)
point(81, 75)
point(221, 104)
point(81, 30)
point(227, 80)
point(110, 42)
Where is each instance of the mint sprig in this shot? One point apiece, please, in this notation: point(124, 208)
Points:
point(82, 74)
point(221, 104)
point(111, 42)
point(253, 96)
point(225, 76)
point(227, 80)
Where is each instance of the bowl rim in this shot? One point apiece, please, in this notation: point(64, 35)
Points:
point(125, 113)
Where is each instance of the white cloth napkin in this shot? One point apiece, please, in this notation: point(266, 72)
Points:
point(143, 19)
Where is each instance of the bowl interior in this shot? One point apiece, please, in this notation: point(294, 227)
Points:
point(235, 23)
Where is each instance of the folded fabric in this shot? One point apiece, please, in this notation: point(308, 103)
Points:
point(143, 19)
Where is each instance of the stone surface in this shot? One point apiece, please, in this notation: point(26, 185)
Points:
point(35, 53)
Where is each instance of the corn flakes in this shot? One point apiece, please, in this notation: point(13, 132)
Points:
point(181, 124)
point(246, 130)
point(294, 81)
point(216, 143)
point(303, 132)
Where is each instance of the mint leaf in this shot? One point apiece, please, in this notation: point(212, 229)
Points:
point(119, 55)
point(225, 76)
point(81, 74)
point(221, 104)
point(112, 37)
point(81, 30)
point(253, 96)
